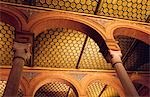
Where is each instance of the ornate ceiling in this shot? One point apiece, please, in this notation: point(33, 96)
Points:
point(137, 10)
point(67, 48)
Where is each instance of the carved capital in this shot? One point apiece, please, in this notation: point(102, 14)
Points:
point(116, 57)
point(22, 50)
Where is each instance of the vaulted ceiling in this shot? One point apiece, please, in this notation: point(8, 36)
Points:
point(68, 48)
point(136, 10)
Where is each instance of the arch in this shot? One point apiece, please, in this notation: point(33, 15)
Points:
point(45, 78)
point(13, 17)
point(108, 79)
point(42, 21)
point(58, 19)
point(140, 32)
point(140, 79)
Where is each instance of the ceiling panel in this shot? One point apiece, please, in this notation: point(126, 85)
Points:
point(6, 42)
point(84, 6)
point(126, 9)
point(100, 89)
point(137, 10)
point(62, 48)
point(135, 53)
point(58, 48)
point(92, 58)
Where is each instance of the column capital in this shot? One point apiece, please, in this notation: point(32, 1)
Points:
point(116, 57)
point(22, 50)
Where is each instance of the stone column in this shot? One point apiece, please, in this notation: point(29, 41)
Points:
point(21, 56)
point(122, 74)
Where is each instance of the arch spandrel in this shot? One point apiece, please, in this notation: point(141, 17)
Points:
point(13, 16)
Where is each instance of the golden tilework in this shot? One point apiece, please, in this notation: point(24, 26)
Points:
point(55, 89)
point(58, 48)
point(2, 87)
point(92, 58)
point(84, 6)
point(126, 9)
point(137, 10)
point(61, 48)
point(6, 42)
point(95, 89)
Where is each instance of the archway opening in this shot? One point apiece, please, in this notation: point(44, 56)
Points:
point(68, 48)
point(98, 88)
point(57, 88)
point(135, 53)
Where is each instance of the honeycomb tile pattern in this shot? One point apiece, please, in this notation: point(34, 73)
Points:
point(2, 87)
point(6, 42)
point(92, 58)
point(126, 9)
point(96, 87)
point(137, 10)
point(54, 89)
point(61, 48)
point(124, 42)
point(58, 48)
point(84, 6)
point(138, 59)
point(14, 1)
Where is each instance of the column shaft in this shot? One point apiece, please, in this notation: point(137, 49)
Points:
point(122, 74)
point(12, 85)
point(125, 80)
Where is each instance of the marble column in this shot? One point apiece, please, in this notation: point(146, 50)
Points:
point(122, 74)
point(21, 56)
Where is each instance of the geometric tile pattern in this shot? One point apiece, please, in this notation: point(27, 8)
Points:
point(136, 10)
point(84, 6)
point(96, 89)
point(92, 58)
point(61, 48)
point(58, 48)
point(128, 9)
point(138, 59)
point(6, 42)
point(2, 87)
point(124, 42)
point(55, 89)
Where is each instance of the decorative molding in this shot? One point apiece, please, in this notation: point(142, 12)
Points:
point(30, 75)
point(78, 76)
